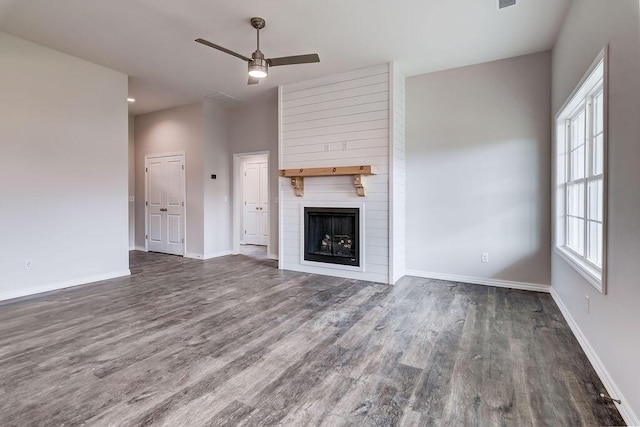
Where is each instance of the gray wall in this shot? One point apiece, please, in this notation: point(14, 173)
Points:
point(254, 127)
point(201, 130)
point(478, 170)
point(132, 182)
point(63, 179)
point(169, 131)
point(611, 328)
point(217, 192)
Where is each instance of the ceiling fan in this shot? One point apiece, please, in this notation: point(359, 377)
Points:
point(258, 64)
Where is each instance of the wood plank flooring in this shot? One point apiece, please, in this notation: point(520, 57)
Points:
point(234, 341)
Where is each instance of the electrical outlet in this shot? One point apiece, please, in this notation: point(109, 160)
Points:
point(132, 199)
point(484, 257)
point(344, 146)
point(28, 264)
point(587, 302)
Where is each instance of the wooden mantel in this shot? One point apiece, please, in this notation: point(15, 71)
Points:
point(358, 173)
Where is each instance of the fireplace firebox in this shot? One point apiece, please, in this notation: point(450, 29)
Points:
point(331, 235)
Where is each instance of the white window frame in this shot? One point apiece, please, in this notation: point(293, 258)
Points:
point(592, 83)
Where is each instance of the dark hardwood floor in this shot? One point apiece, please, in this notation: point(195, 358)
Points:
point(234, 341)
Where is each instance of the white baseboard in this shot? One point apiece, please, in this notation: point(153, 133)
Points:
point(192, 255)
point(19, 293)
point(218, 254)
point(140, 248)
point(273, 256)
point(627, 413)
point(208, 256)
point(481, 281)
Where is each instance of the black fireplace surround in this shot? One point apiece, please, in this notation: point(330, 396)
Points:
point(331, 235)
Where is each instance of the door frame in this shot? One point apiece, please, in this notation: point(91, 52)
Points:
point(184, 193)
point(237, 210)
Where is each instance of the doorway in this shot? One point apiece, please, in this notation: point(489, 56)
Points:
point(252, 208)
point(255, 195)
point(165, 203)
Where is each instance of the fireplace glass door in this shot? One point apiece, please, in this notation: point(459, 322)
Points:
point(331, 235)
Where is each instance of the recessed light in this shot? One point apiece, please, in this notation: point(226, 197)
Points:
point(131, 100)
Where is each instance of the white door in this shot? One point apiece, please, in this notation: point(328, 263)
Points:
point(165, 204)
point(256, 203)
point(251, 193)
point(264, 203)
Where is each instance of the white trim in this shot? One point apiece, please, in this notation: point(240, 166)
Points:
point(612, 389)
point(237, 208)
point(192, 255)
point(536, 287)
point(392, 173)
point(347, 274)
point(280, 210)
point(62, 285)
point(217, 254)
point(208, 256)
point(580, 266)
point(602, 55)
point(139, 248)
point(159, 155)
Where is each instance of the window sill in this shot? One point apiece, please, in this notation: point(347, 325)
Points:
point(592, 275)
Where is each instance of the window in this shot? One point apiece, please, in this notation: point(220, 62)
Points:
point(581, 176)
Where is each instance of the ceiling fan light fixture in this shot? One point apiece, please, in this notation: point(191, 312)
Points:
point(258, 68)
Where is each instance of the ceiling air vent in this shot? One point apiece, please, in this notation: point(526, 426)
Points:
point(506, 3)
point(223, 99)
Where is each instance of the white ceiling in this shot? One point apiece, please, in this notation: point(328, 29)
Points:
point(152, 40)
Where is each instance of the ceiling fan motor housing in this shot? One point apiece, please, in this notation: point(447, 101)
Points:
point(258, 66)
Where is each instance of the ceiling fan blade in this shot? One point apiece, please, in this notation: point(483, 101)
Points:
point(253, 81)
point(222, 49)
point(290, 60)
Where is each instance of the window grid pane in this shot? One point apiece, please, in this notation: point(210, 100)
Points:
point(575, 199)
point(575, 235)
point(597, 159)
point(595, 200)
point(577, 130)
point(577, 146)
point(577, 163)
point(594, 252)
point(598, 112)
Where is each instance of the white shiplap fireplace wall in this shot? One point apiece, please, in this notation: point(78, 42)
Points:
point(348, 119)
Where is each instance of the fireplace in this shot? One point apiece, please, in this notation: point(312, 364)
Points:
point(331, 235)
